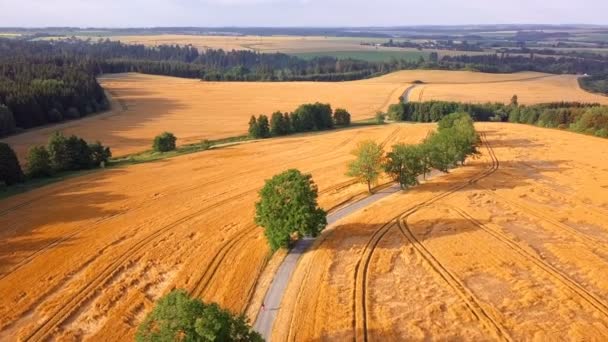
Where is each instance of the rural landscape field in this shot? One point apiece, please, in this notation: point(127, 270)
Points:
point(145, 105)
point(303, 171)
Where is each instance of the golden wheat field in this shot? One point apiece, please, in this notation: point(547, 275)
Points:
point(88, 257)
point(146, 105)
point(512, 246)
point(547, 88)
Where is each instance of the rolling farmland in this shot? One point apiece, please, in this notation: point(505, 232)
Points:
point(107, 245)
point(508, 247)
point(145, 105)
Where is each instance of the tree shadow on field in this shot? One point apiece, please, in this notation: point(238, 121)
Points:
point(72, 206)
point(118, 129)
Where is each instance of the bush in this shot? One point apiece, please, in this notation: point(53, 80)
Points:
point(178, 317)
point(39, 162)
point(10, 170)
point(164, 142)
point(287, 206)
point(341, 117)
point(380, 117)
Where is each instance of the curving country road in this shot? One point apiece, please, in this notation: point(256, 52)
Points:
point(406, 93)
point(274, 296)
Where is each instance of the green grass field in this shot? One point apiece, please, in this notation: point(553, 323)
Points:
point(370, 56)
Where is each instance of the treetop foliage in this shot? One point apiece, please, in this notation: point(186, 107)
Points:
point(164, 142)
point(288, 206)
point(307, 117)
point(367, 167)
point(178, 317)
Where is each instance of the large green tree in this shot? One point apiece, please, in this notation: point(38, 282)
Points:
point(367, 167)
point(405, 163)
point(288, 207)
point(178, 317)
point(10, 170)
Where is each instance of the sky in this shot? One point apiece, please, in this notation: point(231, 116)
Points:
point(284, 13)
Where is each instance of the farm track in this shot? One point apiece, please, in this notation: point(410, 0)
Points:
point(46, 328)
point(487, 318)
point(361, 267)
point(203, 283)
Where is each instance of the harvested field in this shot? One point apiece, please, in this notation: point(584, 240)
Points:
point(87, 258)
point(511, 246)
point(146, 105)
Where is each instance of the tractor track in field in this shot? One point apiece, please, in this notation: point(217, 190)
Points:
point(534, 212)
point(45, 329)
point(360, 310)
point(487, 318)
point(27, 259)
point(205, 280)
point(200, 287)
point(552, 271)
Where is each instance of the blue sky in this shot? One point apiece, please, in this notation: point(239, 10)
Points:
point(138, 13)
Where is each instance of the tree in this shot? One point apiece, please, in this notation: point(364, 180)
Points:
point(341, 117)
point(288, 206)
point(278, 124)
point(380, 117)
point(58, 152)
point(254, 128)
point(368, 165)
point(39, 162)
point(7, 121)
point(164, 142)
point(10, 170)
point(99, 153)
point(405, 163)
point(263, 127)
point(79, 154)
point(178, 317)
